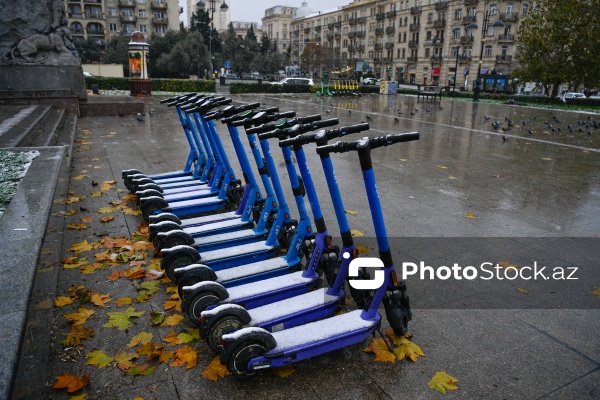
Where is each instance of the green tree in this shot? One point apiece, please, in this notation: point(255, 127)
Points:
point(266, 44)
point(558, 43)
point(314, 57)
point(250, 35)
point(200, 22)
point(89, 50)
point(188, 56)
point(116, 52)
point(160, 45)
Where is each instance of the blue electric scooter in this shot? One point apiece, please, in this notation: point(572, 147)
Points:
point(248, 351)
point(305, 307)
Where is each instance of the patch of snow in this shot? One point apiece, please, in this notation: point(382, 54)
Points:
point(235, 251)
point(218, 309)
point(254, 268)
point(261, 288)
point(244, 331)
point(223, 237)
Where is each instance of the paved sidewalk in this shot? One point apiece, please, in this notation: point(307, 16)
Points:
point(529, 346)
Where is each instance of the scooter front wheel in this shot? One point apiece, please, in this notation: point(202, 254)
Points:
point(237, 363)
point(194, 305)
point(221, 327)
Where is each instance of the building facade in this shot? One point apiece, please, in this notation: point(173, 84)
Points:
point(419, 41)
point(221, 18)
point(277, 23)
point(241, 29)
point(103, 19)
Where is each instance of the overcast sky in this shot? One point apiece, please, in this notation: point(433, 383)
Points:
point(254, 10)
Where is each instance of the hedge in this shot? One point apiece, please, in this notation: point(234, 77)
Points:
point(163, 85)
point(238, 87)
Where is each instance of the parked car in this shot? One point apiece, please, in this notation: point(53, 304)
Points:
point(231, 76)
point(595, 96)
point(574, 95)
point(88, 74)
point(369, 81)
point(294, 81)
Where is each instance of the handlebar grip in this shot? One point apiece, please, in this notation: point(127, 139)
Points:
point(287, 114)
point(308, 119)
point(322, 124)
point(247, 107)
point(270, 110)
point(213, 115)
point(337, 147)
point(346, 130)
point(393, 138)
point(300, 139)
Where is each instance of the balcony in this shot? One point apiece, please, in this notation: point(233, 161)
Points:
point(158, 5)
point(378, 46)
point(360, 34)
point(464, 59)
point(77, 15)
point(506, 38)
point(318, 38)
point(414, 27)
point(127, 18)
point(471, 2)
point(507, 59)
point(93, 15)
point(387, 60)
point(330, 36)
point(95, 31)
point(413, 44)
point(391, 14)
point(440, 23)
point(389, 45)
point(441, 5)
point(92, 1)
point(362, 20)
point(307, 30)
point(160, 21)
point(377, 59)
point(411, 60)
point(379, 31)
point(467, 40)
point(351, 35)
point(434, 42)
point(337, 36)
point(125, 3)
point(436, 60)
point(318, 28)
point(352, 21)
point(379, 17)
point(509, 17)
point(76, 31)
point(359, 47)
point(416, 10)
point(390, 29)
point(330, 25)
point(468, 19)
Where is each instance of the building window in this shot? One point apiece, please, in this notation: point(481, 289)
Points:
point(142, 13)
point(430, 18)
point(456, 33)
point(427, 52)
point(112, 27)
point(158, 14)
point(458, 13)
point(111, 11)
point(488, 51)
point(525, 9)
point(143, 28)
point(127, 12)
point(160, 28)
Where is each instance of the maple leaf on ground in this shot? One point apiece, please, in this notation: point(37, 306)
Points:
point(522, 290)
point(81, 316)
point(172, 339)
point(441, 382)
point(214, 370)
point(72, 200)
point(186, 337)
point(131, 211)
point(382, 353)
point(141, 370)
point(120, 319)
point(362, 249)
point(63, 301)
point(185, 356)
point(115, 275)
point(596, 292)
point(173, 303)
point(284, 372)
point(351, 212)
point(102, 256)
point(86, 219)
point(140, 338)
point(356, 233)
point(96, 194)
point(99, 358)
point(77, 334)
point(469, 215)
point(124, 360)
point(107, 219)
point(124, 301)
point(408, 349)
point(71, 383)
point(172, 320)
point(143, 245)
point(78, 227)
point(82, 396)
point(100, 300)
point(130, 197)
point(106, 210)
point(135, 273)
point(81, 247)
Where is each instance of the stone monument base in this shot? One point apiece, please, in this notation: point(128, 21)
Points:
point(140, 87)
point(62, 86)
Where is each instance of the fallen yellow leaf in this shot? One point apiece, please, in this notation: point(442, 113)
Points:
point(522, 290)
point(441, 382)
point(214, 370)
point(469, 215)
point(356, 233)
point(81, 316)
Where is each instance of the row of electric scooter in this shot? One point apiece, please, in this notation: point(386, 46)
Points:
point(248, 274)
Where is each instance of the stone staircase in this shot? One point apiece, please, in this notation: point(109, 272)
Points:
point(34, 126)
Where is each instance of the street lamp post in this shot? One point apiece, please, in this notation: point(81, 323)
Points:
point(486, 20)
point(201, 6)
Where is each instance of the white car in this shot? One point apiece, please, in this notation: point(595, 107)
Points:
point(574, 95)
point(88, 74)
point(294, 81)
point(369, 81)
point(595, 96)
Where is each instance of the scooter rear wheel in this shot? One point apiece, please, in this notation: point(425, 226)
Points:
point(223, 326)
point(237, 363)
point(186, 281)
point(179, 261)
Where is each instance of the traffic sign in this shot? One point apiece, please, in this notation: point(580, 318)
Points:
point(227, 64)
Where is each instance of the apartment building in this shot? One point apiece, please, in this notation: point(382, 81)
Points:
point(241, 29)
point(418, 41)
point(277, 23)
point(103, 19)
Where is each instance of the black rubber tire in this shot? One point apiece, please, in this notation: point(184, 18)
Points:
point(168, 242)
point(403, 329)
point(186, 281)
point(237, 364)
point(178, 261)
point(195, 304)
point(167, 217)
point(147, 210)
point(224, 325)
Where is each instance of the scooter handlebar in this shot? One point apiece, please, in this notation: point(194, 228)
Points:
point(367, 142)
point(262, 117)
point(174, 98)
point(296, 130)
point(329, 134)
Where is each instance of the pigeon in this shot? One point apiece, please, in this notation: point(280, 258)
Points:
point(412, 113)
point(427, 109)
point(570, 126)
point(328, 111)
point(121, 115)
point(533, 118)
point(349, 112)
point(589, 133)
point(485, 117)
point(399, 112)
point(150, 113)
point(368, 117)
point(555, 119)
point(504, 138)
point(396, 120)
point(139, 117)
point(530, 132)
point(506, 129)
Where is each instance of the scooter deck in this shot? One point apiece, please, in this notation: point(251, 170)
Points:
point(235, 251)
point(208, 228)
point(268, 287)
point(193, 194)
point(229, 237)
